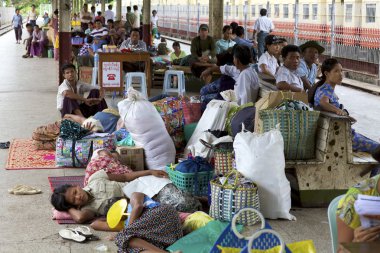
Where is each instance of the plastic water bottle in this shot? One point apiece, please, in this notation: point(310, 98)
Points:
point(96, 60)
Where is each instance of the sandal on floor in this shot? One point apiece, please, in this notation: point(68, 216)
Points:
point(70, 234)
point(4, 145)
point(86, 232)
point(24, 190)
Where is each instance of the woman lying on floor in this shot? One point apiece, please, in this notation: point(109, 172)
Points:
point(106, 178)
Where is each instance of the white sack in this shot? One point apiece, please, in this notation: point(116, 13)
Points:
point(198, 149)
point(147, 129)
point(213, 118)
point(260, 157)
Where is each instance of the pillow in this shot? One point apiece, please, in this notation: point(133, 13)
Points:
point(58, 215)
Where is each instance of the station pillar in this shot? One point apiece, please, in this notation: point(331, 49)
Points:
point(118, 10)
point(147, 33)
point(215, 19)
point(64, 30)
point(103, 7)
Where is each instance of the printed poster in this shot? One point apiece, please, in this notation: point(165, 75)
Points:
point(111, 74)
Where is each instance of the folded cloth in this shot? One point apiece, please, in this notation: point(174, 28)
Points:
point(24, 190)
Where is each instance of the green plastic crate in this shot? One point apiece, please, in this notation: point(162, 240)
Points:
point(194, 183)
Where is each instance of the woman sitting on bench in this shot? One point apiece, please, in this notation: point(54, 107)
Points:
point(324, 98)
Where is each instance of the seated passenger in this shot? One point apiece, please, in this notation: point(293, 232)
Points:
point(111, 32)
point(268, 62)
point(226, 43)
point(28, 41)
point(134, 41)
point(246, 80)
point(75, 23)
point(283, 43)
point(38, 42)
point(120, 35)
point(348, 221)
point(239, 39)
point(177, 54)
point(86, 49)
point(286, 77)
point(203, 47)
point(233, 26)
point(90, 28)
point(308, 68)
point(325, 99)
point(100, 18)
point(70, 94)
point(162, 48)
point(99, 33)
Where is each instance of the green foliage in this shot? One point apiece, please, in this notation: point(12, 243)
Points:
point(25, 5)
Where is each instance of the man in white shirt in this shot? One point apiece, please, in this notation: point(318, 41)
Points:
point(70, 96)
point(154, 23)
point(263, 26)
point(32, 16)
point(268, 63)
point(246, 80)
point(85, 17)
point(109, 14)
point(136, 24)
point(286, 76)
point(93, 14)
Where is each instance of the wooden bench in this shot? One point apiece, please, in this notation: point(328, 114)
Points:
point(335, 167)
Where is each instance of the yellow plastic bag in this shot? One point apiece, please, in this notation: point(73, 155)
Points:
point(196, 220)
point(296, 247)
point(56, 42)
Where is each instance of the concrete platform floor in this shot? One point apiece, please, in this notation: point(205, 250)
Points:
point(27, 100)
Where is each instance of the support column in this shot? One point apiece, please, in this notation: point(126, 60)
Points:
point(81, 2)
point(118, 10)
point(216, 19)
point(64, 35)
point(54, 6)
point(103, 7)
point(147, 33)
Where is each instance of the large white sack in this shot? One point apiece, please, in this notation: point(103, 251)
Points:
point(147, 129)
point(260, 157)
point(214, 118)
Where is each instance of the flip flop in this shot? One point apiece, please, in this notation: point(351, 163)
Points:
point(86, 232)
point(70, 234)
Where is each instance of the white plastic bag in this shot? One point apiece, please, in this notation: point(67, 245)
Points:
point(198, 149)
point(213, 118)
point(147, 129)
point(260, 157)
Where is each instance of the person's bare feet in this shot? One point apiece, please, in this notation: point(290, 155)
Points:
point(111, 237)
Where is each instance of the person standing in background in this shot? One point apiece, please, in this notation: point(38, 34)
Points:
point(130, 17)
point(154, 22)
point(17, 25)
point(93, 14)
point(85, 17)
point(136, 24)
point(263, 26)
point(32, 16)
point(109, 14)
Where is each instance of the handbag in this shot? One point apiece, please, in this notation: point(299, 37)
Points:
point(228, 199)
point(71, 130)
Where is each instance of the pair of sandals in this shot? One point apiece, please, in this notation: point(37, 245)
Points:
point(4, 145)
point(79, 234)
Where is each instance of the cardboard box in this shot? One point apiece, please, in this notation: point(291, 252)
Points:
point(273, 99)
point(85, 74)
point(133, 157)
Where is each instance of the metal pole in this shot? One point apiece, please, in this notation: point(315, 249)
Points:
point(245, 10)
point(332, 50)
point(296, 24)
point(188, 19)
point(178, 20)
point(198, 17)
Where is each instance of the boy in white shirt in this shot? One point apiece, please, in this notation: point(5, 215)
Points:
point(268, 63)
point(286, 76)
point(246, 80)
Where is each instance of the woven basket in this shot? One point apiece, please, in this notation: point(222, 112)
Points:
point(194, 183)
point(298, 128)
point(227, 200)
point(224, 156)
